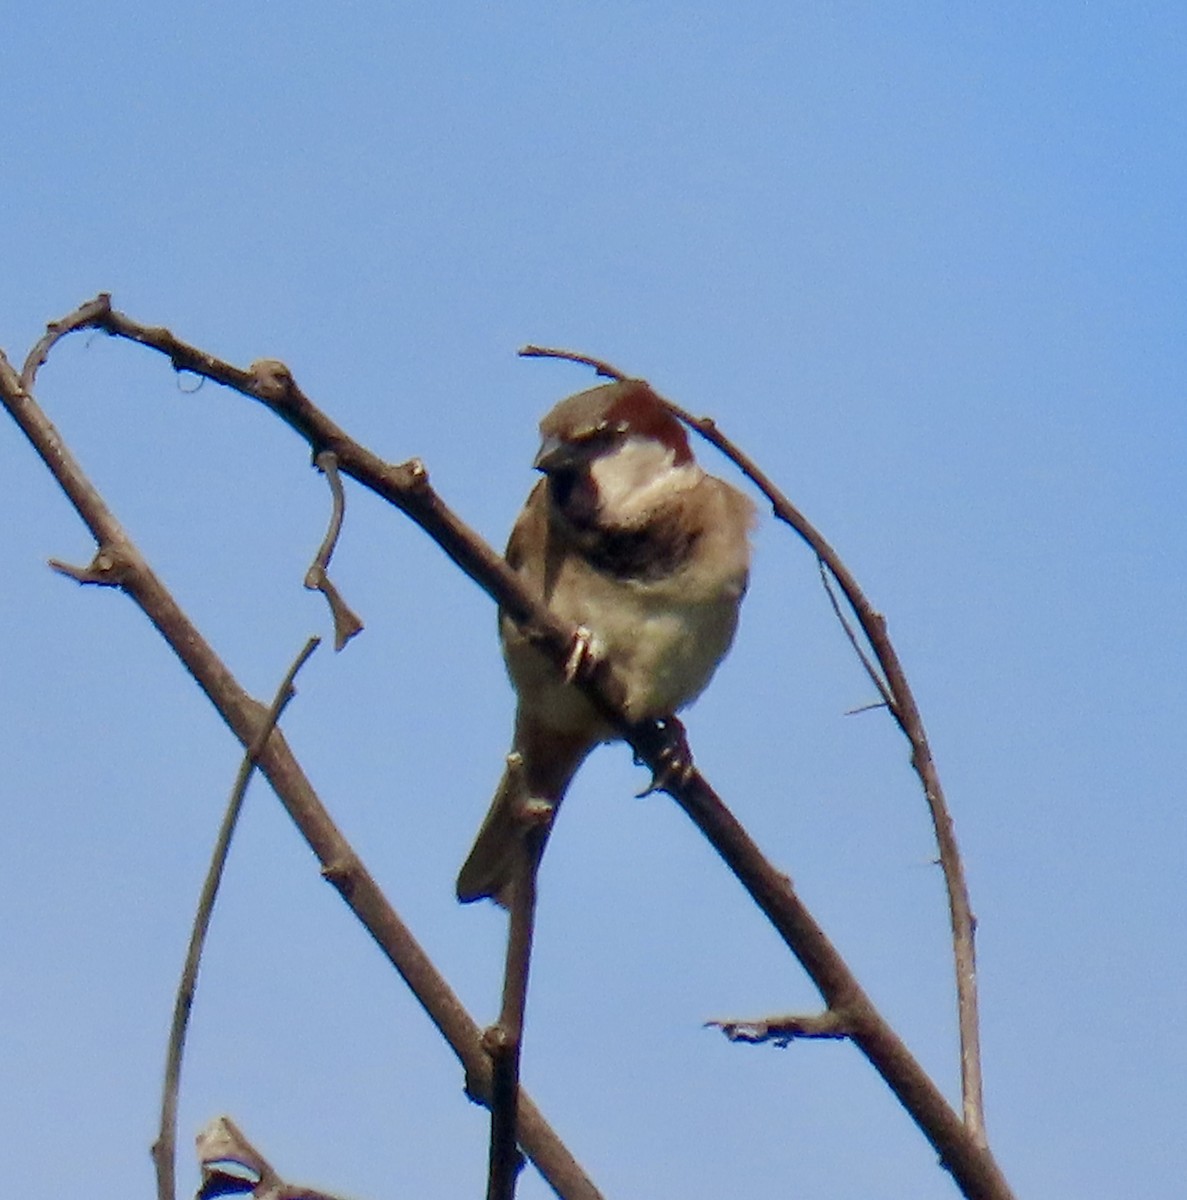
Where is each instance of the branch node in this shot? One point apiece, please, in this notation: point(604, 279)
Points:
point(495, 1040)
point(417, 475)
point(271, 379)
point(340, 873)
point(109, 568)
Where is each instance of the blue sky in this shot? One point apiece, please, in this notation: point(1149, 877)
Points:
point(926, 262)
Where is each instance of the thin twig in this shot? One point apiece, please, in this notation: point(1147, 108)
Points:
point(858, 649)
point(164, 1148)
point(317, 579)
point(505, 1039)
point(602, 368)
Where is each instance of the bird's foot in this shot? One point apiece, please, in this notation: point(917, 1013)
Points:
point(674, 767)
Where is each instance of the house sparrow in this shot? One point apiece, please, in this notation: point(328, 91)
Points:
point(629, 540)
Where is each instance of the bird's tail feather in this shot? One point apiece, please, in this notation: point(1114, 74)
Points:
point(489, 868)
point(489, 865)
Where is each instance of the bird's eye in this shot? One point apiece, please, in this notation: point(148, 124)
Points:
point(603, 436)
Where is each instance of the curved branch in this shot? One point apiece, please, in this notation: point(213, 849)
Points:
point(896, 691)
point(83, 317)
point(317, 578)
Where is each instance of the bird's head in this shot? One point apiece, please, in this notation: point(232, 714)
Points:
point(598, 422)
point(612, 452)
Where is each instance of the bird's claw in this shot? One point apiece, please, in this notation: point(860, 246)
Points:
point(581, 655)
point(674, 767)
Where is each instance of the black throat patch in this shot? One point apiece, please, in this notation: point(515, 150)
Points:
point(654, 550)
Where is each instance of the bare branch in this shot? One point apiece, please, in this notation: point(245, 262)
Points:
point(896, 692)
point(858, 649)
point(504, 1041)
point(407, 487)
point(245, 717)
point(83, 317)
point(164, 1149)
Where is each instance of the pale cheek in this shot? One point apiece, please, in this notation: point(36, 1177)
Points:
point(635, 477)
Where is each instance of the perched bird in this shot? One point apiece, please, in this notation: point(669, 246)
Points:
point(629, 540)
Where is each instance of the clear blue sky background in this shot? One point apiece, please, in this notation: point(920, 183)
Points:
point(926, 261)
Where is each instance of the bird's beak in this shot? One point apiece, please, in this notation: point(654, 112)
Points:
point(554, 455)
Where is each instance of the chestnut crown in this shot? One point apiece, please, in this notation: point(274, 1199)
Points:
point(594, 422)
